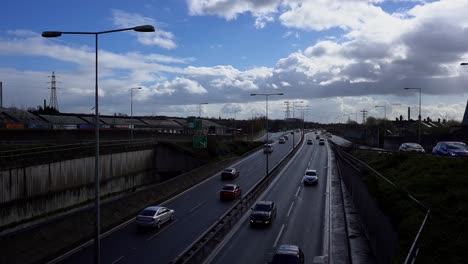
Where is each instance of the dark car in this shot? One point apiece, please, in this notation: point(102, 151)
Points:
point(450, 149)
point(229, 173)
point(285, 137)
point(411, 147)
point(263, 213)
point(288, 254)
point(322, 141)
point(317, 137)
point(309, 142)
point(230, 192)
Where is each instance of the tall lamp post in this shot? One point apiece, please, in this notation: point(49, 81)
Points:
point(266, 103)
point(200, 108)
point(420, 117)
point(131, 110)
point(384, 121)
point(54, 34)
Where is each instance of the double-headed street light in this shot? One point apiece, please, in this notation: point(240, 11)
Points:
point(54, 34)
point(131, 110)
point(420, 117)
point(266, 103)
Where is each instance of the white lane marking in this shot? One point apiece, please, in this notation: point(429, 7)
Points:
point(162, 229)
point(298, 189)
point(117, 260)
point(89, 242)
point(228, 237)
point(278, 236)
point(290, 208)
point(197, 206)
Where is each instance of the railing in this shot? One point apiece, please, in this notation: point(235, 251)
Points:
point(15, 158)
point(205, 243)
point(359, 165)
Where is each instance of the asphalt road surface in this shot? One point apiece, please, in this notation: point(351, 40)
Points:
point(299, 219)
point(195, 210)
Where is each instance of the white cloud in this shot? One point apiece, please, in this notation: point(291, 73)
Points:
point(262, 10)
point(161, 38)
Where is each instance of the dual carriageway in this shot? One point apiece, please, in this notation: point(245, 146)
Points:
point(300, 217)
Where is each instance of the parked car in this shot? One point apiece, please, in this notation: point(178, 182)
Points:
point(267, 148)
point(310, 177)
point(154, 216)
point(290, 254)
point(310, 142)
point(263, 213)
point(322, 141)
point(413, 147)
point(450, 149)
point(230, 192)
point(282, 141)
point(229, 173)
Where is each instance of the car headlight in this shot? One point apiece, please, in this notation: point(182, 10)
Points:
point(453, 153)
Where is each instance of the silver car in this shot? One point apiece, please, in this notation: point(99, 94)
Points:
point(310, 177)
point(154, 216)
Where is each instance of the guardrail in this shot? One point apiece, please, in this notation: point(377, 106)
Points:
point(204, 244)
point(358, 165)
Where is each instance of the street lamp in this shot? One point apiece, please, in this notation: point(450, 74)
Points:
point(131, 110)
point(266, 103)
point(199, 109)
point(420, 117)
point(54, 34)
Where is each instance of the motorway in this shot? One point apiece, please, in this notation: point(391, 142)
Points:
point(195, 210)
point(300, 215)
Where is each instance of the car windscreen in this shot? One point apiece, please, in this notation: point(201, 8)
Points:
point(147, 212)
point(456, 146)
point(311, 173)
point(413, 145)
point(262, 207)
point(228, 188)
point(228, 170)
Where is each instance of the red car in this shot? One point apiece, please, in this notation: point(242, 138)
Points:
point(230, 192)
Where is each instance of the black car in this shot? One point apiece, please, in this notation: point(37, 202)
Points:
point(263, 213)
point(317, 137)
point(229, 173)
point(322, 141)
point(290, 254)
point(309, 142)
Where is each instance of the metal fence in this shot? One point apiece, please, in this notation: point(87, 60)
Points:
point(379, 231)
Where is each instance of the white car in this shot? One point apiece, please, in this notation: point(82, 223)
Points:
point(267, 148)
point(154, 216)
point(310, 177)
point(415, 147)
point(281, 141)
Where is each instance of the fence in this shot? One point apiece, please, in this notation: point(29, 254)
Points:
point(379, 231)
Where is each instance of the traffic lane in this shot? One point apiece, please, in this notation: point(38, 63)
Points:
point(170, 245)
point(306, 224)
point(125, 243)
point(253, 245)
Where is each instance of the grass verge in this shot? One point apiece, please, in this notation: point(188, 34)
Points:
point(440, 183)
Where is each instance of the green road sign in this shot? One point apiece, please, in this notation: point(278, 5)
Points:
point(200, 141)
point(197, 124)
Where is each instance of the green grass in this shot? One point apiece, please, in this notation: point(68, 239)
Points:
point(441, 184)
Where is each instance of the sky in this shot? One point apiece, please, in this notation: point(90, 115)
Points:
point(337, 57)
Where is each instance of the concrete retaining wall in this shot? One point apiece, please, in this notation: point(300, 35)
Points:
point(35, 191)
